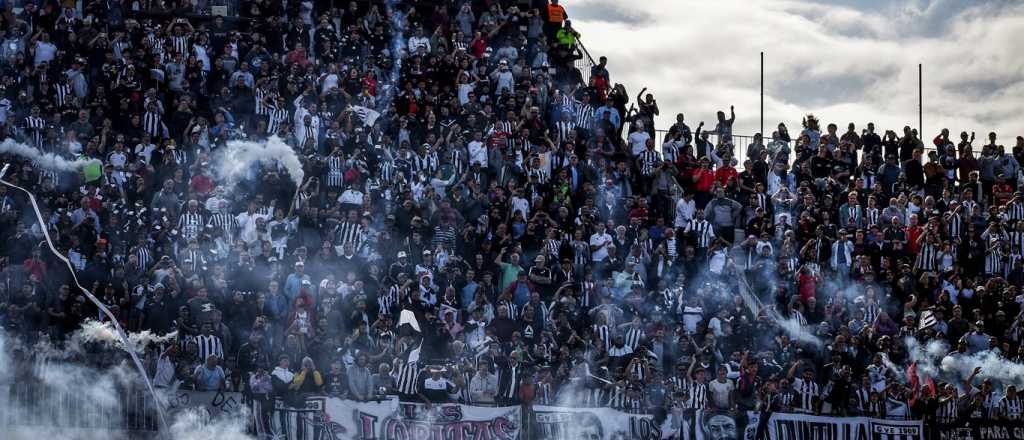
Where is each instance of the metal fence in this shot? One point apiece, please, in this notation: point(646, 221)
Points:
point(30, 404)
point(585, 63)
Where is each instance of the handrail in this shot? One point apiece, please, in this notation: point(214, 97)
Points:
point(583, 50)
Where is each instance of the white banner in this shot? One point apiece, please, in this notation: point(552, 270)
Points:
point(328, 418)
point(807, 427)
point(559, 423)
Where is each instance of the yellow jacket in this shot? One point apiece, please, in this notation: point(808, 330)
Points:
point(301, 377)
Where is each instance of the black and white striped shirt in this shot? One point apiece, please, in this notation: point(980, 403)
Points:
point(226, 222)
point(649, 160)
point(994, 261)
point(1016, 242)
point(406, 378)
point(581, 252)
point(926, 257)
point(513, 309)
point(633, 337)
point(258, 95)
point(387, 301)
point(698, 394)
point(457, 157)
point(277, 116)
point(586, 292)
point(349, 232)
point(144, 255)
point(872, 214)
point(35, 126)
point(426, 164)
point(181, 45)
point(190, 224)
point(63, 94)
point(1011, 409)
point(703, 231)
point(584, 116)
point(207, 345)
point(1015, 211)
point(955, 226)
point(335, 171)
point(948, 410)
point(193, 259)
point(564, 130)
point(807, 392)
point(540, 174)
point(152, 124)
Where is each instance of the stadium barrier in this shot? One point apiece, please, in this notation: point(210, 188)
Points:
point(317, 417)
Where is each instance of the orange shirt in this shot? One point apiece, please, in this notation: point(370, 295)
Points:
point(556, 13)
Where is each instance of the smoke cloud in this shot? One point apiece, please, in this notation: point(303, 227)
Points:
point(51, 392)
point(239, 157)
point(105, 333)
point(48, 161)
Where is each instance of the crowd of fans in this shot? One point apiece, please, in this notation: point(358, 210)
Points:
point(503, 233)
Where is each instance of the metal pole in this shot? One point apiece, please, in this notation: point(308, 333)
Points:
point(762, 93)
point(920, 102)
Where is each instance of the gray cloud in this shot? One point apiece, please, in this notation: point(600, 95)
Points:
point(854, 61)
point(610, 12)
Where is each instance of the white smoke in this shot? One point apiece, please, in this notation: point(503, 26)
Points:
point(69, 399)
point(105, 333)
point(64, 386)
point(795, 329)
point(934, 361)
point(927, 356)
point(48, 161)
point(791, 325)
point(193, 425)
point(1002, 371)
point(239, 157)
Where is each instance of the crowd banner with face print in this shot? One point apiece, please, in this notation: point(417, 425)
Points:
point(724, 425)
point(559, 423)
point(808, 427)
point(329, 418)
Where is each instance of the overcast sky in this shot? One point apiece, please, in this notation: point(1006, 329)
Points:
point(845, 60)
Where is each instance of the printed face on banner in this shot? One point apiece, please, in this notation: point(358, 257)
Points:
point(725, 425)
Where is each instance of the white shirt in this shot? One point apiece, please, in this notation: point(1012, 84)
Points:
point(477, 153)
point(283, 374)
point(416, 42)
point(44, 52)
point(638, 141)
point(247, 226)
point(521, 204)
point(684, 212)
point(351, 196)
point(720, 393)
point(597, 240)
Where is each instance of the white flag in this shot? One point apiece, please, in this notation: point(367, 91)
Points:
point(367, 115)
point(408, 317)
